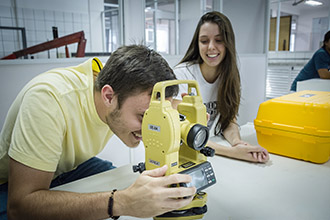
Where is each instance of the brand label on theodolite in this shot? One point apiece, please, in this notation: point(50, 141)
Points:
point(154, 162)
point(154, 127)
point(174, 164)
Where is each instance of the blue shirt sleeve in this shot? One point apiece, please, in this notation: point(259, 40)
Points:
point(322, 60)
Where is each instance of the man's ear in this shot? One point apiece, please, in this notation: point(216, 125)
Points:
point(108, 95)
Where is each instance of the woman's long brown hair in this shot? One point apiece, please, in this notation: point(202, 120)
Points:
point(229, 91)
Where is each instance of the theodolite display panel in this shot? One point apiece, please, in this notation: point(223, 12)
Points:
point(202, 175)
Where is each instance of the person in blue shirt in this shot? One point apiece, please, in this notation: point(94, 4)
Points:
point(318, 66)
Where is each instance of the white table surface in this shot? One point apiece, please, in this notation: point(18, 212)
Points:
point(314, 84)
point(283, 188)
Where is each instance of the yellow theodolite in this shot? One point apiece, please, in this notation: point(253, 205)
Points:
point(177, 138)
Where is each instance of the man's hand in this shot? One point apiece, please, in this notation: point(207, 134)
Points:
point(151, 195)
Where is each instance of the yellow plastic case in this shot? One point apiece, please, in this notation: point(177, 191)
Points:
point(296, 125)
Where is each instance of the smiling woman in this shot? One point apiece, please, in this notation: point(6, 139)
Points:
point(211, 60)
point(211, 49)
point(212, 52)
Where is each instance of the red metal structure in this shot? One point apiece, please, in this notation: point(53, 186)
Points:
point(58, 42)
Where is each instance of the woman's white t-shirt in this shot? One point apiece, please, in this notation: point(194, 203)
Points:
point(209, 91)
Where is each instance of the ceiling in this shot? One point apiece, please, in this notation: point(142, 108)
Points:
point(288, 9)
point(302, 6)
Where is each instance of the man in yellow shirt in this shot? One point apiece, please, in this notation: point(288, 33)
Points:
point(60, 121)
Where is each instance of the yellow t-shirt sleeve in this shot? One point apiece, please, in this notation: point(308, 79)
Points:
point(39, 130)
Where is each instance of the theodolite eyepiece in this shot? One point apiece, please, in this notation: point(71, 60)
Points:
point(139, 168)
point(198, 136)
point(208, 152)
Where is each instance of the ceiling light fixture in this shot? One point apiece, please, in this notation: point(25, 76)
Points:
point(313, 3)
point(297, 2)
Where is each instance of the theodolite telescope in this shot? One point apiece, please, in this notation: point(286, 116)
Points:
point(177, 138)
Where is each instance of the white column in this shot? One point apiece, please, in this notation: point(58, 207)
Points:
point(189, 16)
point(95, 7)
point(134, 22)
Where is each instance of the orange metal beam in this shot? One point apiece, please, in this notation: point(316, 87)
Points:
point(78, 37)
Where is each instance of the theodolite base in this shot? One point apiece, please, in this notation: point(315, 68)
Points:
point(195, 210)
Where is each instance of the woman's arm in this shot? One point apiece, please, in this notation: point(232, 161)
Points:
point(240, 149)
point(231, 133)
point(241, 152)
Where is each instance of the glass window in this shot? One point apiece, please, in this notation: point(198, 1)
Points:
point(160, 25)
point(279, 40)
point(208, 6)
point(211, 5)
point(112, 25)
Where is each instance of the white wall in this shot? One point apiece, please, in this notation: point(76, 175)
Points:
point(252, 69)
point(134, 21)
point(248, 19)
point(95, 7)
point(190, 12)
point(304, 27)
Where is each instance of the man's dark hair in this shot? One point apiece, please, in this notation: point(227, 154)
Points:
point(133, 69)
point(326, 38)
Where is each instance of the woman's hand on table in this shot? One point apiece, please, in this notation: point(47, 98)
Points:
point(245, 151)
